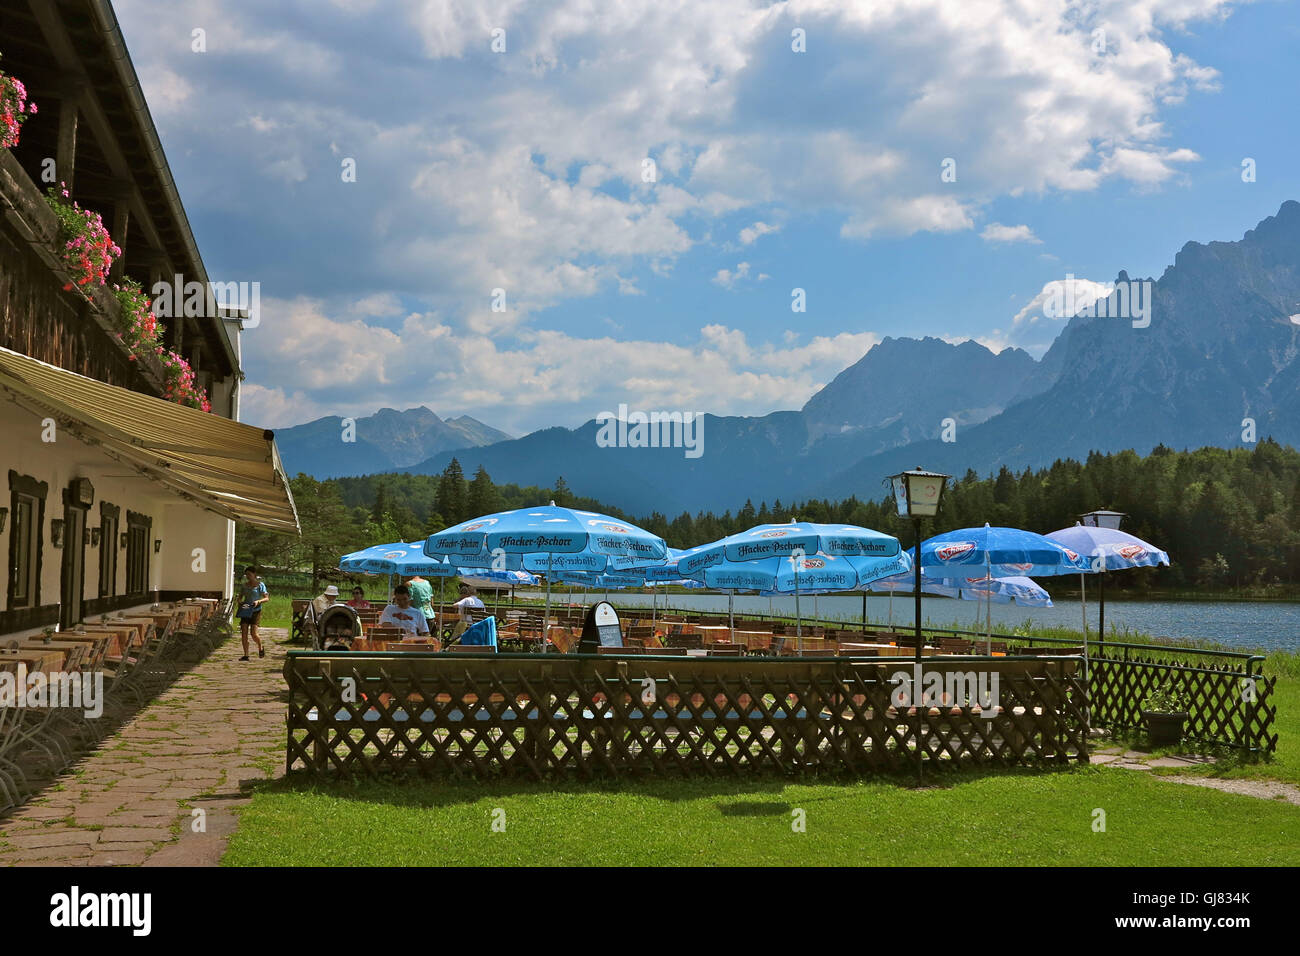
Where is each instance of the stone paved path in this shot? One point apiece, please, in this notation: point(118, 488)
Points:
point(219, 728)
point(1114, 756)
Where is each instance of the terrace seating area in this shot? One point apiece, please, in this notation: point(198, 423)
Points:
point(521, 629)
point(95, 676)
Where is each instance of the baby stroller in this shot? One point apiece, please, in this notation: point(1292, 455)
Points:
point(337, 628)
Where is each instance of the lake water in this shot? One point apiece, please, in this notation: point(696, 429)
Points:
point(1247, 625)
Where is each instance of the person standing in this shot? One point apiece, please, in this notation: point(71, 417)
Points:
point(252, 595)
point(422, 597)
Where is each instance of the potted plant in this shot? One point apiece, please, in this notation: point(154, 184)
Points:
point(47, 635)
point(1165, 712)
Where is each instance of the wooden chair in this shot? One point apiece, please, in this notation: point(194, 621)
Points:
point(298, 623)
point(639, 633)
point(955, 645)
point(685, 641)
point(723, 649)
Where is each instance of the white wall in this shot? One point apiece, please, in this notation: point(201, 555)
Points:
point(180, 525)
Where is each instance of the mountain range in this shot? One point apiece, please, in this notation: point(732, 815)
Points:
point(1219, 344)
point(388, 440)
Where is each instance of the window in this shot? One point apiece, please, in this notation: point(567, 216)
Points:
point(25, 540)
point(26, 526)
point(138, 529)
point(108, 548)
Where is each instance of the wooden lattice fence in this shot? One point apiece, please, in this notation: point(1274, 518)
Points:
point(528, 715)
point(1230, 703)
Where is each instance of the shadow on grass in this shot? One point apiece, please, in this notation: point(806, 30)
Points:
point(734, 796)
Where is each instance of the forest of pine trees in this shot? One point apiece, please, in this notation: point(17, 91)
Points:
point(1229, 518)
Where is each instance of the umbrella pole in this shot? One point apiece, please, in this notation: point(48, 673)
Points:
point(864, 610)
point(546, 615)
point(891, 609)
point(1083, 604)
point(988, 612)
point(798, 616)
point(731, 614)
point(1101, 605)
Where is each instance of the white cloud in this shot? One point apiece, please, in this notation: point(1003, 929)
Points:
point(522, 170)
point(751, 234)
point(996, 232)
point(906, 216)
point(1081, 292)
point(728, 279)
point(338, 365)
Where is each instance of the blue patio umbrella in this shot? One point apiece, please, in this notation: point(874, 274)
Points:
point(547, 533)
point(488, 578)
point(797, 537)
point(1001, 553)
point(1021, 590)
point(797, 574)
point(396, 558)
point(1107, 549)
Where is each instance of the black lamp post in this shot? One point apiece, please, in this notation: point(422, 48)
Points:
point(916, 495)
point(1111, 520)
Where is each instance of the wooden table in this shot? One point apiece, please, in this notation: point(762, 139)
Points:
point(36, 660)
point(119, 636)
point(139, 625)
point(754, 640)
point(889, 650)
point(99, 641)
point(61, 648)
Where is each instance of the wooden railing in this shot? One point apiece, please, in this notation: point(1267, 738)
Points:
point(529, 715)
point(40, 319)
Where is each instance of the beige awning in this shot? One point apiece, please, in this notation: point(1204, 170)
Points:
point(224, 466)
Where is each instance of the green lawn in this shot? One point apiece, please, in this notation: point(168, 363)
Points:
point(1016, 818)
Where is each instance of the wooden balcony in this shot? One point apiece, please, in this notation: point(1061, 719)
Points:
point(37, 317)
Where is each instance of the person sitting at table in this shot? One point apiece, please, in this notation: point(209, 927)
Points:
point(401, 613)
point(319, 605)
point(468, 598)
point(359, 601)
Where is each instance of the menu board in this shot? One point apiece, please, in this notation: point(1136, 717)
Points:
point(600, 629)
point(607, 625)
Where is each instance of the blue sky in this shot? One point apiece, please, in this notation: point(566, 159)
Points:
point(774, 170)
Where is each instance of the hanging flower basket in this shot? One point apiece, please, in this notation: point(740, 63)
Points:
point(14, 109)
point(178, 382)
point(139, 328)
point(86, 247)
